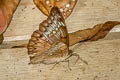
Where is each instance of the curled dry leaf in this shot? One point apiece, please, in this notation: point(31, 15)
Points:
point(7, 8)
point(65, 6)
point(97, 32)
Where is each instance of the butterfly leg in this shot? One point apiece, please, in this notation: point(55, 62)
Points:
point(54, 65)
point(78, 57)
point(67, 60)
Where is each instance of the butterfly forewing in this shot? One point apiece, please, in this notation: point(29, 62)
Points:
point(49, 44)
point(65, 6)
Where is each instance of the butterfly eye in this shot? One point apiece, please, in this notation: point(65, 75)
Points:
point(66, 6)
point(50, 40)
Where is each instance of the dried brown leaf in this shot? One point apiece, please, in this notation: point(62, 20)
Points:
point(7, 9)
point(97, 32)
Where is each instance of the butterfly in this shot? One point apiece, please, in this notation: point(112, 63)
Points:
point(66, 6)
point(49, 44)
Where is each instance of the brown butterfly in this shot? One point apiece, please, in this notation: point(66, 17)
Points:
point(65, 6)
point(50, 44)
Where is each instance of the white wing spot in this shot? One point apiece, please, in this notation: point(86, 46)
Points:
point(67, 5)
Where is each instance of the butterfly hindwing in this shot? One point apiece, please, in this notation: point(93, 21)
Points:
point(49, 44)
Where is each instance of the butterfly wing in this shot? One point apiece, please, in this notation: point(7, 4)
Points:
point(65, 6)
point(50, 43)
